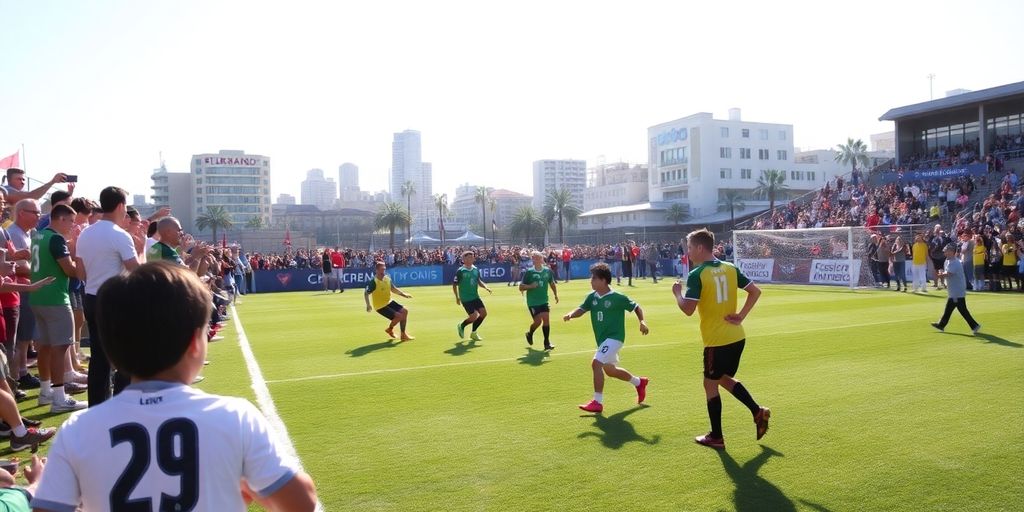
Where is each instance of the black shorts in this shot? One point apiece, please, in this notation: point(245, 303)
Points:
point(472, 306)
point(723, 360)
point(536, 310)
point(390, 310)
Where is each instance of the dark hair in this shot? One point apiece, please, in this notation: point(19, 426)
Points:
point(61, 211)
point(133, 213)
point(80, 204)
point(111, 198)
point(14, 170)
point(163, 302)
point(601, 271)
point(151, 229)
point(702, 238)
point(58, 196)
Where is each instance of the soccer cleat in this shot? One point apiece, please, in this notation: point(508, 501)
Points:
point(529, 338)
point(939, 327)
point(641, 390)
point(69, 404)
point(548, 346)
point(33, 438)
point(462, 331)
point(761, 420)
point(390, 331)
point(74, 388)
point(592, 406)
point(406, 337)
point(717, 443)
point(976, 329)
point(475, 337)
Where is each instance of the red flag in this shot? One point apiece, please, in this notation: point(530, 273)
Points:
point(287, 237)
point(9, 162)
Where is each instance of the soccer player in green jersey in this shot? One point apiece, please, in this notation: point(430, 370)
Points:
point(467, 280)
point(535, 283)
point(607, 309)
point(711, 289)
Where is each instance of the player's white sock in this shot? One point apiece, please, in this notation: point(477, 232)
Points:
point(599, 397)
point(44, 387)
point(58, 394)
point(19, 430)
point(635, 381)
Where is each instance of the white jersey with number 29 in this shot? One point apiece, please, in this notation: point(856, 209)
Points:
point(163, 446)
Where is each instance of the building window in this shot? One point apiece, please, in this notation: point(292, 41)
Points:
point(199, 171)
point(764, 134)
point(725, 132)
point(762, 154)
point(782, 154)
point(199, 191)
point(199, 199)
point(725, 152)
point(782, 134)
point(744, 174)
point(796, 175)
point(744, 153)
point(745, 133)
point(725, 173)
point(811, 176)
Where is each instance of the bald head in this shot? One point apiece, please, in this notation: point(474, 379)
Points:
point(170, 231)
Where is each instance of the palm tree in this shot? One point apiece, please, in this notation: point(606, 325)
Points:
point(256, 222)
point(441, 202)
point(853, 152)
point(559, 205)
point(390, 216)
point(482, 196)
point(216, 217)
point(408, 190)
point(731, 201)
point(770, 183)
point(525, 223)
point(493, 205)
point(676, 214)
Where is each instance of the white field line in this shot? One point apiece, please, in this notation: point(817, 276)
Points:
point(509, 359)
point(263, 398)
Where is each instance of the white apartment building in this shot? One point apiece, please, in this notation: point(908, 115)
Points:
point(285, 199)
point(174, 189)
point(318, 191)
point(407, 165)
point(348, 182)
point(551, 175)
point(615, 184)
point(235, 180)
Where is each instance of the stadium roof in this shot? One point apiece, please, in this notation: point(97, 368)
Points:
point(623, 209)
point(951, 102)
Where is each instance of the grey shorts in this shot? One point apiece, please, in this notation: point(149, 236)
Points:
point(26, 321)
point(77, 297)
point(56, 325)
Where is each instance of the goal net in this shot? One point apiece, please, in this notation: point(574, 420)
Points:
point(822, 256)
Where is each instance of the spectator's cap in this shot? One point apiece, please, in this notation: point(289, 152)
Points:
point(949, 248)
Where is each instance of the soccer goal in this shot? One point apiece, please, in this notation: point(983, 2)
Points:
point(823, 256)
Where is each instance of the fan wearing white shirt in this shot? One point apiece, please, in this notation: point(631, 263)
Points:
point(211, 452)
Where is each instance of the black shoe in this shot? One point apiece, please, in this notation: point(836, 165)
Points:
point(939, 327)
point(529, 338)
point(20, 396)
point(548, 346)
point(30, 423)
point(27, 381)
point(32, 354)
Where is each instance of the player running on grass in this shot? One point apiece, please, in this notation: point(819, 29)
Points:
point(535, 283)
point(467, 280)
point(711, 289)
point(379, 291)
point(607, 309)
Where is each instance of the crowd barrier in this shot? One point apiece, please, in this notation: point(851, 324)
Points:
point(308, 279)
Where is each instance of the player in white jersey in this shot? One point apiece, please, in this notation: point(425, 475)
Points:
point(161, 444)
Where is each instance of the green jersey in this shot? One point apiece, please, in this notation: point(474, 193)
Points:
point(608, 315)
point(467, 279)
point(48, 246)
point(163, 252)
point(537, 296)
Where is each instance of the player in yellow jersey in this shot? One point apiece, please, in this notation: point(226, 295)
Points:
point(379, 292)
point(711, 289)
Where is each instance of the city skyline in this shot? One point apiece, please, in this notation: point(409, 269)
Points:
point(101, 90)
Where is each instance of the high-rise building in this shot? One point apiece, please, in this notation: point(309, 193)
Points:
point(317, 190)
point(174, 189)
point(616, 184)
point(285, 199)
point(348, 182)
point(552, 175)
point(407, 165)
point(234, 180)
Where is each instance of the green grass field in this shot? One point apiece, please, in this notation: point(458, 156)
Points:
point(872, 408)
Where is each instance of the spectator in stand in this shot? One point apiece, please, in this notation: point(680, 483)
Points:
point(566, 258)
point(338, 266)
point(935, 251)
point(978, 262)
point(883, 255)
point(16, 182)
point(26, 216)
point(1011, 250)
point(900, 251)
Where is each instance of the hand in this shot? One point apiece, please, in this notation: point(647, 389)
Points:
point(643, 328)
point(458, 301)
point(734, 318)
point(677, 289)
point(368, 308)
point(34, 469)
point(59, 178)
point(408, 295)
point(489, 291)
point(556, 299)
point(21, 254)
point(42, 282)
point(71, 188)
point(567, 317)
point(162, 212)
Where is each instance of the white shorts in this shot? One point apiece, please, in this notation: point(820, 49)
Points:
point(608, 352)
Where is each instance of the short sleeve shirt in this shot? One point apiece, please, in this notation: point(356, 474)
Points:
point(608, 315)
point(468, 279)
point(714, 286)
point(537, 296)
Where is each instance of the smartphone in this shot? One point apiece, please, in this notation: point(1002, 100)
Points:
point(70, 178)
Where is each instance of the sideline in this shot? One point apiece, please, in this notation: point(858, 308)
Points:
point(263, 398)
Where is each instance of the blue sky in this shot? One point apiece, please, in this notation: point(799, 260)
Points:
point(101, 88)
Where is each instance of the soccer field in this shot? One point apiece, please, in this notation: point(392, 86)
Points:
point(872, 408)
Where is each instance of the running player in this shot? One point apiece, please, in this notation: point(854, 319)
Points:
point(379, 290)
point(467, 280)
point(535, 283)
point(607, 309)
point(711, 289)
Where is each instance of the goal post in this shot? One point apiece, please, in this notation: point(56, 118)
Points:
point(817, 256)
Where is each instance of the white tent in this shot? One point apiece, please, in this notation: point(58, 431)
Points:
point(469, 236)
point(421, 239)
